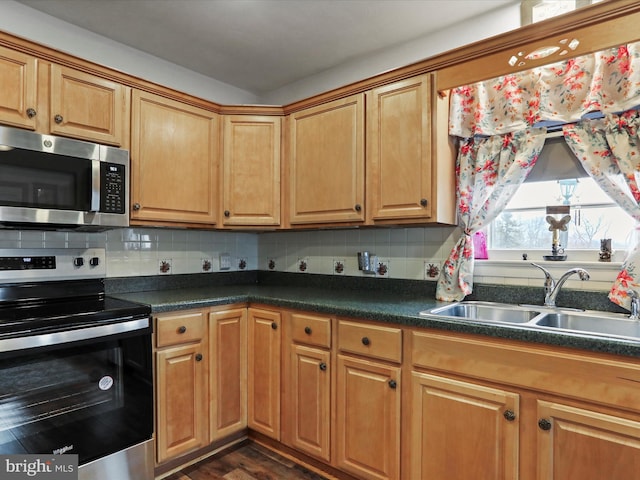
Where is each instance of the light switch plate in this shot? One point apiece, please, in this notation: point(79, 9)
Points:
point(225, 261)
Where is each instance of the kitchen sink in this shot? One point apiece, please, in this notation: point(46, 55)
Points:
point(592, 322)
point(486, 312)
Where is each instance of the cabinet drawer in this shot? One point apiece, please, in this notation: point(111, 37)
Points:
point(311, 329)
point(370, 340)
point(177, 328)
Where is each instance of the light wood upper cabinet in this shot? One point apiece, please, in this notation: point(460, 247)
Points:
point(50, 98)
point(399, 150)
point(228, 372)
point(174, 162)
point(87, 107)
point(18, 82)
point(462, 430)
point(326, 156)
point(251, 170)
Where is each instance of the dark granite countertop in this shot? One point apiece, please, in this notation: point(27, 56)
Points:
point(395, 302)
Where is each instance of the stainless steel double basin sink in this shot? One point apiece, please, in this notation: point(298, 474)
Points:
point(560, 319)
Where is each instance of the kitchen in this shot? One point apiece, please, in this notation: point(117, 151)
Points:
point(145, 250)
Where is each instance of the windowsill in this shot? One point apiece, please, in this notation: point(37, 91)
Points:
point(505, 268)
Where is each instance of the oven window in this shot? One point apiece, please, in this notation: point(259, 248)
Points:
point(91, 400)
point(39, 180)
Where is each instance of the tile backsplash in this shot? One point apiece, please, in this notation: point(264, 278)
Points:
point(415, 253)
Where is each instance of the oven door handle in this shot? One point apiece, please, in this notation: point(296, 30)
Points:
point(121, 325)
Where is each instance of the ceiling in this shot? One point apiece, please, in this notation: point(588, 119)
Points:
point(262, 45)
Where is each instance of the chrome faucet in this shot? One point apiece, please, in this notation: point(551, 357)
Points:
point(635, 305)
point(551, 288)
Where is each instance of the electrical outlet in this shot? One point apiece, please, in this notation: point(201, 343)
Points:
point(225, 261)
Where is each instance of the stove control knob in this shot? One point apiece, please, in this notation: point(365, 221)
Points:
point(78, 262)
point(94, 261)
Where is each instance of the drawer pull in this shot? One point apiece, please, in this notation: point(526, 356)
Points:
point(182, 329)
point(323, 366)
point(274, 325)
point(393, 384)
point(198, 357)
point(366, 341)
point(31, 112)
point(544, 424)
point(509, 415)
point(307, 330)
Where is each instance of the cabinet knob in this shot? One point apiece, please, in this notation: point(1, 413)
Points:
point(31, 112)
point(323, 366)
point(198, 357)
point(509, 415)
point(136, 206)
point(544, 424)
point(307, 330)
point(274, 325)
point(58, 119)
point(366, 341)
point(182, 329)
point(423, 202)
point(358, 207)
point(227, 213)
point(392, 384)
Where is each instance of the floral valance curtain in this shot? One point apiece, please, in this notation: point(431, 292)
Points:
point(485, 112)
point(606, 81)
point(489, 171)
point(609, 149)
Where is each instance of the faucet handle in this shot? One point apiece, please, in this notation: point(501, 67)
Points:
point(548, 279)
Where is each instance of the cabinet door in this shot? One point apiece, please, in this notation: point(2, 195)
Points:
point(264, 372)
point(182, 402)
point(399, 150)
point(228, 372)
point(18, 83)
point(87, 107)
point(327, 163)
point(578, 443)
point(251, 170)
point(310, 385)
point(461, 430)
point(368, 419)
point(174, 162)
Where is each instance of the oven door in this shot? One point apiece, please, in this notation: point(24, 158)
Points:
point(90, 397)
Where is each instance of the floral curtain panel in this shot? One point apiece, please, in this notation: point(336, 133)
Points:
point(489, 171)
point(608, 81)
point(609, 149)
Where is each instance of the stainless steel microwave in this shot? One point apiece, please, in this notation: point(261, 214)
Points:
point(58, 183)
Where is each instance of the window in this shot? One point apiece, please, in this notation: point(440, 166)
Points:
point(558, 179)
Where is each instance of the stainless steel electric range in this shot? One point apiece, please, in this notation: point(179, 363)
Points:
point(75, 364)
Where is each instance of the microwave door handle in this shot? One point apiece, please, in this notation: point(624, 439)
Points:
point(95, 186)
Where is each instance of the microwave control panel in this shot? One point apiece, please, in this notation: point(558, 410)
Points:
point(112, 188)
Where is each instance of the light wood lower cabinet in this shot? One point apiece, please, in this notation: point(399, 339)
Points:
point(181, 384)
point(264, 355)
point(368, 400)
point(461, 430)
point(581, 443)
point(228, 377)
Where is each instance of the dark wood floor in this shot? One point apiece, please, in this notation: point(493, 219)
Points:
point(249, 462)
